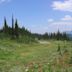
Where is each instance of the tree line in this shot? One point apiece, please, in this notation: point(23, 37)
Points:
point(53, 36)
point(15, 32)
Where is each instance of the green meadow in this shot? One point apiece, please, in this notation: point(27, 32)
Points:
point(53, 56)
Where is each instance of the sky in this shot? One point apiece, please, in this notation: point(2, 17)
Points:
point(38, 16)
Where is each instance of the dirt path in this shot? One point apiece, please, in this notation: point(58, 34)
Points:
point(44, 42)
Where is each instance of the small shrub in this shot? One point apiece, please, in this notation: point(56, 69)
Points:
point(59, 50)
point(70, 62)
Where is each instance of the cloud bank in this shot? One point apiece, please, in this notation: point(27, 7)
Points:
point(67, 18)
point(65, 5)
point(63, 24)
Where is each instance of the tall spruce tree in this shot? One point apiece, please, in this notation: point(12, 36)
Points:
point(12, 31)
point(58, 35)
point(5, 28)
point(16, 29)
point(65, 37)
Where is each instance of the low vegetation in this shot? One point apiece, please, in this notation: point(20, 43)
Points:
point(56, 56)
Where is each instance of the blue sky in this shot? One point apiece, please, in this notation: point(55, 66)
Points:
point(38, 16)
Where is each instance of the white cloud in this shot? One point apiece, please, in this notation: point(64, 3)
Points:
point(50, 20)
point(61, 23)
point(67, 18)
point(65, 5)
point(2, 1)
point(65, 21)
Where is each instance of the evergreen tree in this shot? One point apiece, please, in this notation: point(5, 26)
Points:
point(16, 29)
point(5, 28)
point(22, 31)
point(45, 36)
point(59, 35)
point(12, 30)
point(65, 37)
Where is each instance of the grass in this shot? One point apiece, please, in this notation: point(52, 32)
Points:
point(35, 57)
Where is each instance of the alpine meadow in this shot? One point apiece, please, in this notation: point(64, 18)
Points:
point(36, 36)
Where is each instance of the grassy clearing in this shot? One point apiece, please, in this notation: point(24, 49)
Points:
point(35, 57)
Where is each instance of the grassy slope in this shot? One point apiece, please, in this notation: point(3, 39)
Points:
point(19, 57)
